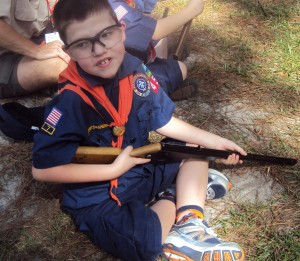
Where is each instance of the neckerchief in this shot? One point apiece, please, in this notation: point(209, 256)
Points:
point(120, 117)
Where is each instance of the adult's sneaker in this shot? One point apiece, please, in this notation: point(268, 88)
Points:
point(218, 185)
point(194, 240)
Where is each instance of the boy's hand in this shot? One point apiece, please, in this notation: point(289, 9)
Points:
point(233, 159)
point(125, 162)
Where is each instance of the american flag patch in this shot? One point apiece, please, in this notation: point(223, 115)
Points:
point(120, 12)
point(54, 116)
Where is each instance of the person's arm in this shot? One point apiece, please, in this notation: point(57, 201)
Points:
point(170, 24)
point(11, 40)
point(80, 173)
point(180, 130)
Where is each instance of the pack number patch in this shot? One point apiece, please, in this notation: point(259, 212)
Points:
point(141, 85)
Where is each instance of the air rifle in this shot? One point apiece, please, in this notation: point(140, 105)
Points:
point(168, 152)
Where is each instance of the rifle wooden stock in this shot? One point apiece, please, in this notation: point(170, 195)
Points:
point(104, 155)
point(167, 152)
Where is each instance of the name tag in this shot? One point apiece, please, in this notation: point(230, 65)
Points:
point(50, 37)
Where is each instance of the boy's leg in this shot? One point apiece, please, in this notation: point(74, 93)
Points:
point(131, 232)
point(165, 209)
point(191, 183)
point(161, 48)
point(191, 238)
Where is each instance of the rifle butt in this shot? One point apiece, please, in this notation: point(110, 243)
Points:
point(106, 155)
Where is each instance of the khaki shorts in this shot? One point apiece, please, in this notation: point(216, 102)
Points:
point(9, 84)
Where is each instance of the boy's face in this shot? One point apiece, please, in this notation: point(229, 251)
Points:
point(97, 59)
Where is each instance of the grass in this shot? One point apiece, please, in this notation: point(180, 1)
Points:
point(268, 234)
point(248, 63)
point(256, 56)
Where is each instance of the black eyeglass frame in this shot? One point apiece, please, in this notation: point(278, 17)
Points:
point(94, 39)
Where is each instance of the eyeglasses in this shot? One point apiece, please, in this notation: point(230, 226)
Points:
point(84, 48)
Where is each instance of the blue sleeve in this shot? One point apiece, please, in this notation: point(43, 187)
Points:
point(139, 28)
point(63, 130)
point(149, 6)
point(146, 6)
point(159, 109)
point(162, 110)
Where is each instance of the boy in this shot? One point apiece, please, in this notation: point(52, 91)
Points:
point(109, 98)
point(25, 63)
point(144, 32)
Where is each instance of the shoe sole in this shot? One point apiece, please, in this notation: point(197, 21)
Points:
point(209, 254)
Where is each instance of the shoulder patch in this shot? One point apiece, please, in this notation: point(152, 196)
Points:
point(141, 85)
point(120, 11)
point(52, 120)
point(153, 82)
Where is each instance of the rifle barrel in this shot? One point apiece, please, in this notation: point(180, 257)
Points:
point(182, 151)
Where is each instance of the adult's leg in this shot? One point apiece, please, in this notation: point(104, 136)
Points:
point(34, 75)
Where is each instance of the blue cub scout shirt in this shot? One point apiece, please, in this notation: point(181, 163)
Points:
point(70, 122)
point(139, 27)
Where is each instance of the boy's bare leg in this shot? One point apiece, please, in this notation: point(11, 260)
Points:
point(193, 189)
point(165, 209)
point(34, 75)
point(191, 238)
point(161, 48)
point(191, 183)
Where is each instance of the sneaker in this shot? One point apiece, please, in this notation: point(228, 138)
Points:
point(194, 240)
point(218, 185)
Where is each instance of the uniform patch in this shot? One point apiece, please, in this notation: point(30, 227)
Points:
point(120, 12)
point(141, 85)
point(99, 127)
point(51, 121)
point(153, 82)
point(54, 117)
point(48, 128)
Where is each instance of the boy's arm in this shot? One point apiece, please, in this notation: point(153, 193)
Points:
point(80, 173)
point(180, 130)
point(170, 24)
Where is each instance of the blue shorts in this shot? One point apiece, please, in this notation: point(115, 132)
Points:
point(131, 231)
point(167, 70)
